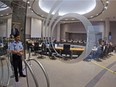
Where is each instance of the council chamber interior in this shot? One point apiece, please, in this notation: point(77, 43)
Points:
point(67, 43)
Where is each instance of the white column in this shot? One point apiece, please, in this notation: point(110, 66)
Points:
point(107, 29)
point(42, 27)
point(35, 28)
point(8, 27)
point(58, 32)
point(28, 26)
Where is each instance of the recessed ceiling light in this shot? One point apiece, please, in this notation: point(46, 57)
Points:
point(72, 19)
point(105, 7)
point(91, 16)
point(29, 7)
point(101, 19)
point(28, 2)
point(107, 1)
point(42, 15)
point(96, 14)
point(68, 6)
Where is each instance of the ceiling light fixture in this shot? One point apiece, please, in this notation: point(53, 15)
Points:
point(31, 10)
point(3, 15)
point(105, 7)
point(28, 2)
point(107, 1)
point(42, 15)
point(29, 7)
point(66, 19)
point(72, 19)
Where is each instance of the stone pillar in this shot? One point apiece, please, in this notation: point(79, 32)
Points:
point(106, 29)
point(19, 16)
point(19, 10)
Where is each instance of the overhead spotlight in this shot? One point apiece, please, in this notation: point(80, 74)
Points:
point(29, 7)
point(28, 2)
point(42, 15)
point(91, 16)
point(107, 1)
point(106, 7)
point(72, 19)
point(96, 14)
point(101, 19)
point(66, 19)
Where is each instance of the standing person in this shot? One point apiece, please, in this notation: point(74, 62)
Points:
point(16, 48)
point(14, 31)
point(1, 44)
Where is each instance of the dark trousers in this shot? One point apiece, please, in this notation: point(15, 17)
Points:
point(17, 65)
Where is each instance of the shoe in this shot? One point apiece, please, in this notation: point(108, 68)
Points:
point(16, 79)
point(23, 75)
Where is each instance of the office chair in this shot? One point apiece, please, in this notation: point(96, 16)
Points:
point(66, 50)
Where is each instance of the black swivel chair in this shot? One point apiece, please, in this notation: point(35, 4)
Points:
point(66, 50)
point(36, 47)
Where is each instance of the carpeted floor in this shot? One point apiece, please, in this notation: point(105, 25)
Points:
point(80, 74)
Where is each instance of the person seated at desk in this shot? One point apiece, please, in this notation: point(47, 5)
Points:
point(95, 53)
point(30, 45)
point(1, 45)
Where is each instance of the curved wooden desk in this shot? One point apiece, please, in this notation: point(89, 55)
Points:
point(72, 49)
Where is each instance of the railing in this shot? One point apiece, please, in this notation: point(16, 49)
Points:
point(31, 71)
point(28, 65)
point(8, 80)
point(44, 71)
point(40, 65)
point(1, 80)
point(2, 83)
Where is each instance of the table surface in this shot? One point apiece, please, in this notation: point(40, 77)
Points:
point(72, 49)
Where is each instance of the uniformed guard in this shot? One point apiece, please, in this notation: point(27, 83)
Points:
point(16, 48)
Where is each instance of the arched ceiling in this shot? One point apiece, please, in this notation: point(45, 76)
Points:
point(109, 13)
